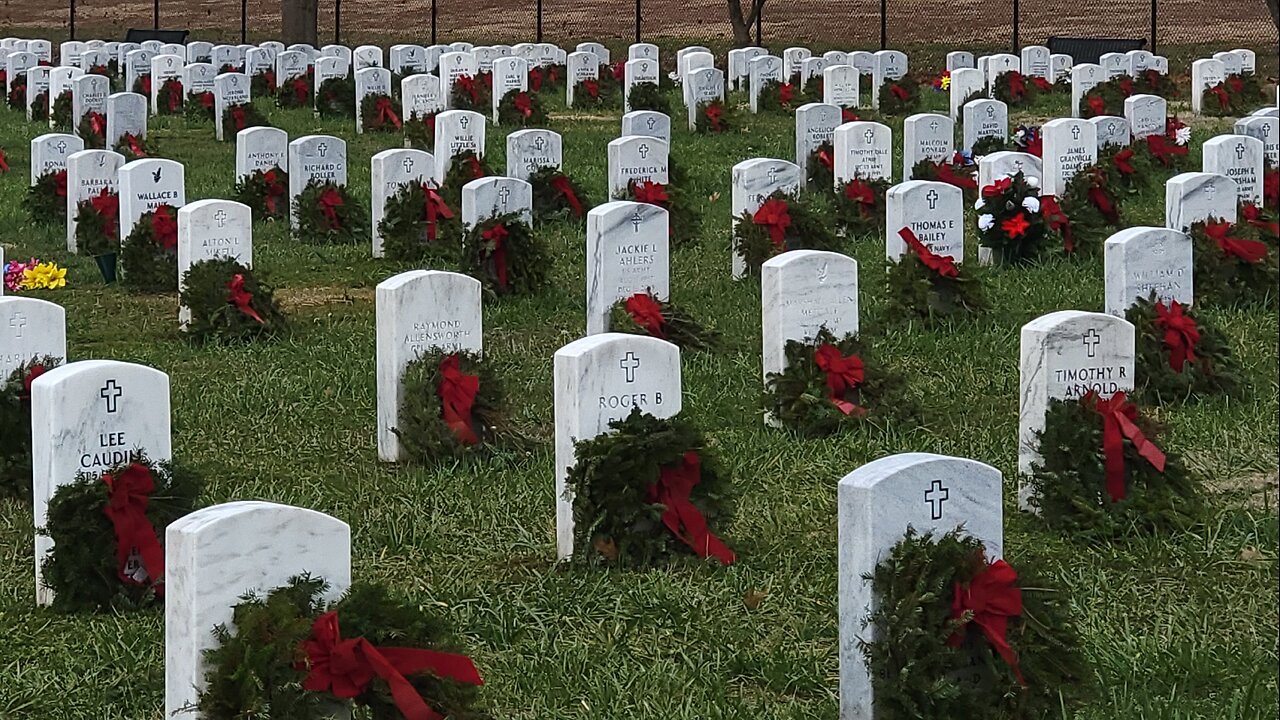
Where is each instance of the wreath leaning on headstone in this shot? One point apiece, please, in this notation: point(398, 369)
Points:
point(822, 166)
point(1107, 98)
point(648, 96)
point(295, 92)
point(263, 83)
point(956, 635)
point(418, 225)
point(957, 170)
point(326, 214)
point(133, 147)
point(1178, 354)
point(1101, 474)
point(40, 107)
point(519, 108)
point(97, 230)
point(336, 98)
point(380, 113)
point(46, 199)
point(149, 255)
point(1235, 96)
point(303, 658)
point(1233, 267)
point(1010, 221)
point(454, 405)
point(1086, 214)
point(241, 116)
point(15, 425)
point(108, 533)
point(142, 86)
point(266, 192)
point(93, 130)
point(682, 222)
point(783, 222)
point(18, 92)
point(901, 96)
point(932, 287)
point(463, 168)
point(860, 205)
point(227, 301)
point(420, 131)
point(644, 314)
point(468, 93)
point(504, 253)
point(60, 111)
point(1015, 89)
point(831, 384)
point(199, 106)
point(716, 117)
point(1169, 150)
point(646, 491)
point(170, 97)
point(556, 196)
point(776, 96)
point(593, 94)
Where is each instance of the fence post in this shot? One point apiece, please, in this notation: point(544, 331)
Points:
point(1154, 12)
point(71, 21)
point(637, 20)
point(884, 24)
point(1017, 16)
point(155, 15)
point(539, 20)
point(244, 21)
point(337, 22)
point(433, 23)
point(759, 19)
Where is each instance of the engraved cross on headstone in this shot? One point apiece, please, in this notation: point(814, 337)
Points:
point(636, 221)
point(934, 126)
point(1210, 189)
point(221, 218)
point(870, 135)
point(464, 121)
point(1239, 151)
point(323, 149)
point(408, 165)
point(62, 147)
point(935, 496)
point(644, 150)
point(651, 122)
point(629, 364)
point(991, 111)
point(539, 143)
point(17, 322)
point(111, 392)
point(932, 197)
point(1075, 132)
point(1091, 340)
point(772, 174)
point(503, 193)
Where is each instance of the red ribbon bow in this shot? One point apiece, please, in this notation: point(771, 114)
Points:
point(1056, 218)
point(647, 313)
point(714, 113)
point(206, 100)
point(562, 185)
point(1126, 86)
point(844, 373)
point(4, 162)
point(97, 124)
point(145, 82)
point(301, 89)
point(1162, 151)
point(473, 161)
point(1017, 86)
point(592, 87)
point(825, 158)
point(990, 599)
point(164, 226)
point(1096, 104)
point(135, 147)
point(535, 79)
point(107, 205)
point(346, 667)
point(524, 105)
point(1121, 161)
point(1250, 251)
point(786, 92)
point(238, 117)
point(1118, 415)
point(1181, 334)
point(434, 208)
point(847, 115)
point(496, 235)
point(1042, 84)
point(944, 265)
point(174, 95)
point(241, 298)
point(946, 174)
point(1102, 200)
point(269, 79)
point(60, 183)
point(1224, 100)
point(1235, 84)
point(457, 396)
point(274, 188)
point(997, 188)
point(1271, 187)
point(899, 92)
point(387, 112)
point(330, 201)
point(33, 373)
point(1253, 215)
point(128, 495)
point(774, 214)
point(468, 85)
point(648, 191)
point(619, 72)
point(673, 490)
point(862, 194)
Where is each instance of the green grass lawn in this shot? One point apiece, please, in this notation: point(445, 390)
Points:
point(1174, 627)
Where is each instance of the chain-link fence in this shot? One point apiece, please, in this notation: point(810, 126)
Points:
point(1181, 29)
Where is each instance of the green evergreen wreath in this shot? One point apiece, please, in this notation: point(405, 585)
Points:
point(420, 131)
point(425, 435)
point(262, 83)
point(18, 92)
point(15, 426)
point(1233, 97)
point(1128, 171)
point(519, 108)
point(463, 168)
point(716, 117)
point(371, 116)
point(1213, 371)
point(645, 314)
point(1222, 276)
point(551, 196)
point(170, 97)
point(807, 230)
point(257, 667)
point(776, 96)
point(296, 92)
point(917, 673)
point(799, 397)
point(133, 147)
point(1154, 82)
point(199, 106)
point(405, 229)
point(336, 98)
point(822, 177)
point(916, 290)
point(812, 89)
point(46, 200)
point(266, 192)
point(142, 85)
point(860, 208)
point(93, 130)
point(241, 116)
point(469, 93)
point(1069, 483)
point(955, 171)
point(1093, 208)
point(1014, 89)
point(648, 96)
point(1107, 98)
point(592, 94)
point(83, 570)
point(615, 523)
point(683, 223)
point(98, 232)
point(348, 222)
point(61, 111)
point(40, 107)
point(999, 208)
point(901, 96)
point(150, 253)
point(228, 302)
point(527, 257)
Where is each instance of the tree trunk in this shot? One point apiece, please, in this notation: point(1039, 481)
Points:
point(742, 24)
point(298, 22)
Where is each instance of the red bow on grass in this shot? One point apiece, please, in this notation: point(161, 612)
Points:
point(672, 491)
point(1057, 220)
point(330, 200)
point(524, 105)
point(496, 235)
point(274, 189)
point(387, 112)
point(775, 216)
point(648, 191)
point(592, 87)
point(457, 396)
point(861, 194)
point(647, 313)
point(1118, 415)
point(164, 225)
point(107, 205)
point(60, 183)
point(242, 299)
point(944, 265)
point(1250, 251)
point(129, 492)
point(434, 208)
point(714, 113)
point(562, 185)
point(844, 373)
point(346, 667)
point(135, 147)
point(1181, 334)
point(990, 599)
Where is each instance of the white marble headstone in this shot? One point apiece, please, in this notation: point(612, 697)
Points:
point(49, 153)
point(628, 252)
point(1084, 77)
point(815, 124)
point(1006, 163)
point(531, 150)
point(863, 150)
point(1205, 74)
point(964, 82)
point(801, 292)
point(1147, 115)
point(1111, 131)
point(147, 184)
point(229, 90)
point(649, 123)
point(212, 230)
point(261, 148)
point(493, 196)
point(760, 70)
point(420, 96)
point(982, 119)
point(1239, 157)
point(753, 181)
point(30, 328)
point(126, 114)
point(318, 158)
point(636, 158)
point(457, 131)
point(840, 86)
point(926, 136)
point(934, 211)
point(89, 172)
point(1194, 197)
point(1141, 260)
point(1070, 145)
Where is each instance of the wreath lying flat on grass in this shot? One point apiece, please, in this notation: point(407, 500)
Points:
point(504, 253)
point(150, 253)
point(860, 206)
point(682, 222)
point(15, 426)
point(648, 96)
point(46, 199)
point(556, 196)
point(326, 213)
point(646, 491)
point(453, 405)
point(1101, 474)
point(520, 108)
point(831, 384)
point(108, 534)
point(291, 655)
point(957, 636)
point(266, 192)
point(782, 223)
point(417, 224)
point(1178, 355)
point(645, 314)
point(1010, 220)
point(1232, 267)
point(380, 113)
point(228, 302)
point(932, 287)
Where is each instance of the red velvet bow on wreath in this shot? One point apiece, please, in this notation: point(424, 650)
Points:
point(1181, 334)
point(434, 208)
point(4, 162)
point(592, 87)
point(457, 392)
point(274, 187)
point(988, 601)
point(129, 494)
point(861, 194)
point(60, 182)
point(164, 226)
point(524, 104)
point(496, 235)
point(107, 205)
point(843, 373)
point(1118, 415)
point(33, 372)
point(242, 299)
point(646, 313)
point(97, 123)
point(714, 114)
point(944, 265)
point(134, 145)
point(673, 491)
point(386, 112)
point(238, 117)
point(774, 216)
point(330, 200)
point(1056, 219)
point(562, 185)
point(1250, 251)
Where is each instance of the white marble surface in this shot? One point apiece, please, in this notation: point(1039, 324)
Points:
point(964, 82)
point(261, 148)
point(218, 554)
point(1205, 73)
point(420, 96)
point(453, 65)
point(136, 64)
point(30, 328)
point(875, 505)
point(738, 60)
point(815, 124)
point(1000, 164)
point(600, 51)
point(634, 72)
point(599, 379)
point(1265, 129)
point(1111, 131)
point(37, 85)
point(406, 59)
point(88, 173)
point(958, 60)
point(1084, 77)
point(366, 56)
point(1061, 65)
point(636, 51)
point(315, 157)
point(1035, 61)
point(126, 113)
point(863, 150)
point(999, 64)
point(1232, 64)
point(229, 89)
point(983, 118)
point(389, 172)
point(1065, 355)
point(1146, 114)
point(61, 80)
point(163, 68)
point(457, 131)
point(889, 65)
point(1142, 260)
point(628, 251)
point(1241, 158)
point(926, 136)
point(802, 291)
point(840, 86)
point(49, 153)
point(496, 195)
point(211, 230)
point(531, 150)
point(370, 80)
point(760, 70)
point(509, 74)
point(198, 78)
point(1114, 64)
point(1070, 145)
point(147, 184)
point(649, 123)
point(1195, 196)
point(935, 213)
point(791, 59)
point(88, 416)
point(291, 64)
point(702, 86)
point(88, 93)
point(580, 65)
point(753, 181)
point(638, 158)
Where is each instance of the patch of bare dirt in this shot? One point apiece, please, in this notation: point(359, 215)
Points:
point(1258, 490)
point(293, 298)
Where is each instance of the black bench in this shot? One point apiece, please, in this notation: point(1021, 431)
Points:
point(164, 36)
point(1089, 50)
